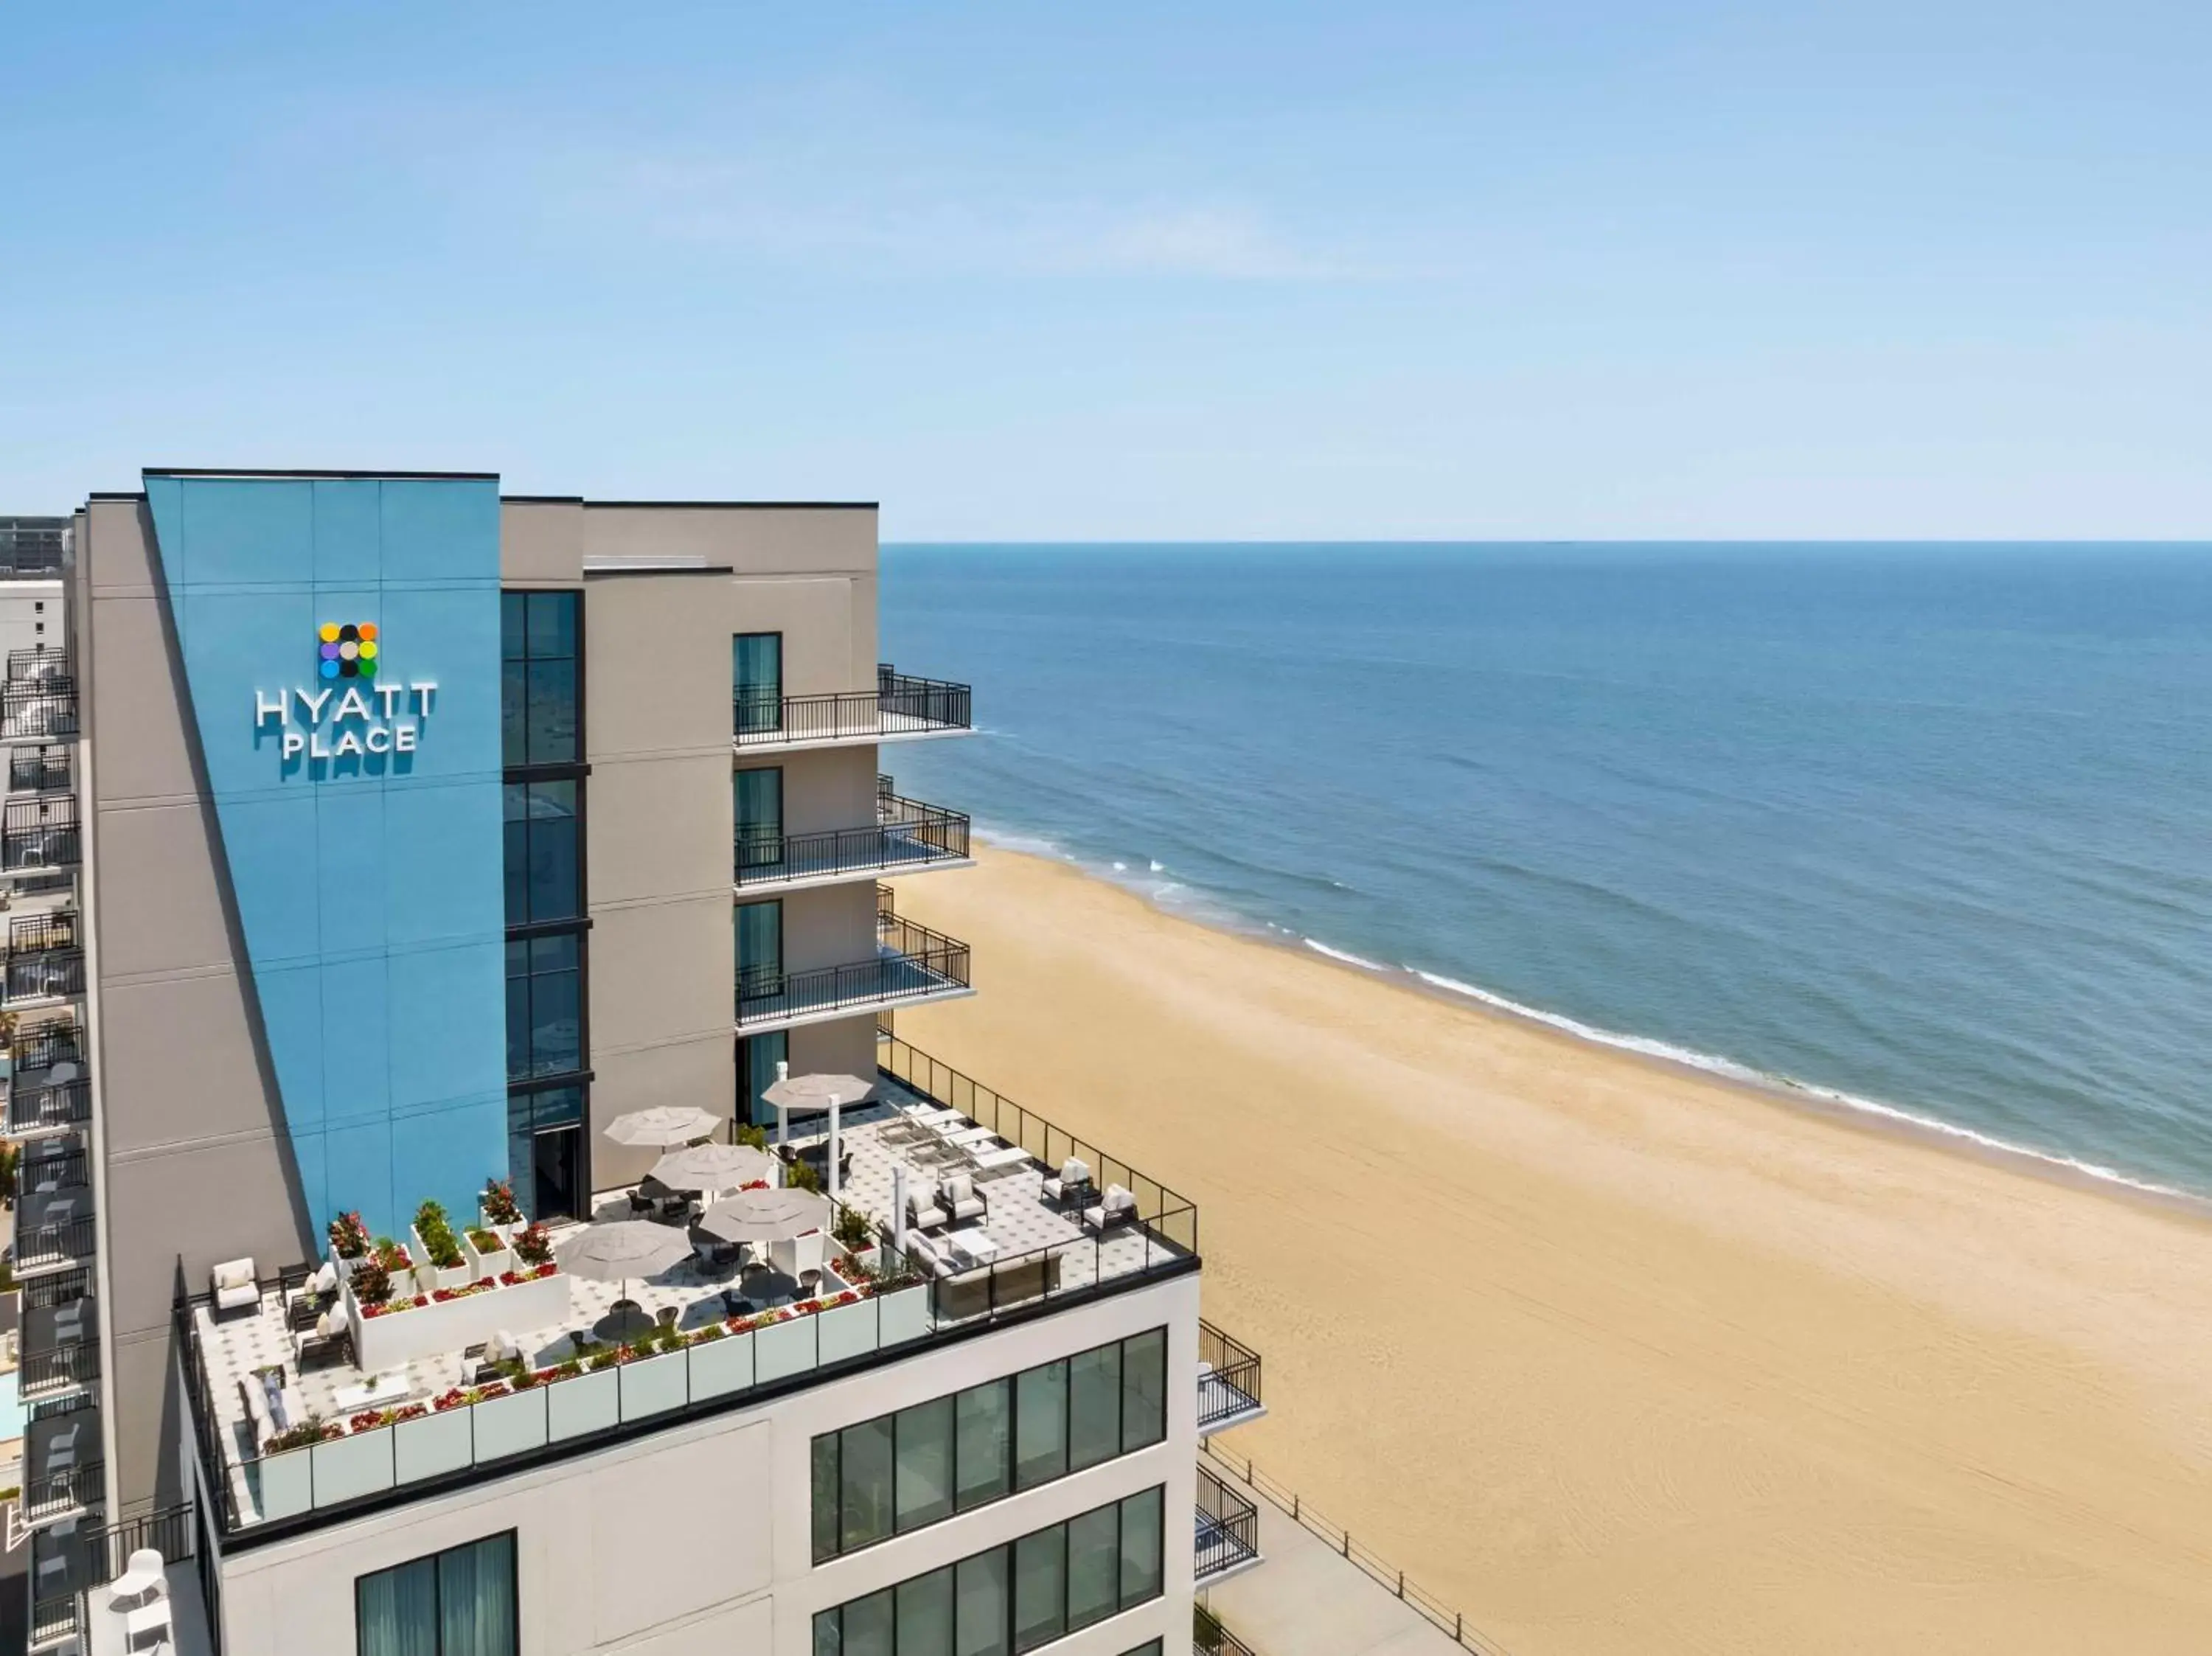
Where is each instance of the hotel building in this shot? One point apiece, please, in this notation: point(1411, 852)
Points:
point(374, 840)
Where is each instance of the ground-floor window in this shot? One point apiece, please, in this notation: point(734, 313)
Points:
point(460, 1602)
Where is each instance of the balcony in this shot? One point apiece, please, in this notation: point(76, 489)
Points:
point(729, 1335)
point(40, 708)
point(1228, 1534)
point(53, 1231)
point(908, 836)
point(64, 1466)
point(60, 1348)
point(901, 708)
point(40, 770)
point(912, 964)
point(40, 834)
point(48, 1092)
point(1228, 1381)
point(46, 960)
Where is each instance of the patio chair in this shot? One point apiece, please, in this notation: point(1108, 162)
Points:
point(152, 1616)
point(1117, 1207)
point(234, 1286)
point(142, 1578)
point(642, 1206)
point(958, 1195)
point(919, 1217)
point(1072, 1187)
point(323, 1342)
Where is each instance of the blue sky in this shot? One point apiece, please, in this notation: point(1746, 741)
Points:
point(1135, 271)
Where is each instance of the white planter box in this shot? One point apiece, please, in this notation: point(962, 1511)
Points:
point(432, 1445)
point(287, 1486)
point(385, 1342)
point(486, 1265)
point(903, 1316)
point(847, 1331)
point(349, 1467)
point(589, 1403)
point(654, 1385)
point(783, 1349)
point(430, 1276)
point(511, 1424)
point(721, 1366)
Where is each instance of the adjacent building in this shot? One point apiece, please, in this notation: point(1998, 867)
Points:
point(378, 840)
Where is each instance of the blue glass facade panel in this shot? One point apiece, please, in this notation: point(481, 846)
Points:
point(367, 870)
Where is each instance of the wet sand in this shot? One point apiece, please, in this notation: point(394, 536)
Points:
point(1616, 1356)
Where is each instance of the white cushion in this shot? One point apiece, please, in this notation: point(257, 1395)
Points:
point(959, 1188)
point(326, 1279)
point(1073, 1171)
point(234, 1273)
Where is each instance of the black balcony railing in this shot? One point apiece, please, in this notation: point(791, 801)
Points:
point(51, 975)
point(31, 546)
point(37, 707)
point(1209, 1638)
point(55, 1169)
point(50, 1373)
point(40, 1047)
point(912, 835)
point(911, 961)
point(40, 770)
point(55, 1495)
point(899, 705)
point(28, 933)
point(39, 661)
point(1228, 1377)
point(40, 834)
point(48, 1108)
point(1228, 1528)
point(66, 1243)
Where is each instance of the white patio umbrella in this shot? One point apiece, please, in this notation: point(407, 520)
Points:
point(766, 1215)
point(619, 1249)
point(713, 1166)
point(816, 1092)
point(665, 1124)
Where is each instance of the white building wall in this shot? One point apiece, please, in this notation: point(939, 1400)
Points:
point(31, 614)
point(697, 1539)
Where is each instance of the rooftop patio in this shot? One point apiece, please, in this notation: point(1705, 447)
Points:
point(584, 1357)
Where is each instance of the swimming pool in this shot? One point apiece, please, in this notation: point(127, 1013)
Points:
point(11, 1409)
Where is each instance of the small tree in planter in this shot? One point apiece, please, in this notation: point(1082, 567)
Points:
point(532, 1247)
point(371, 1282)
point(851, 1229)
point(499, 1207)
point(348, 1241)
point(442, 1246)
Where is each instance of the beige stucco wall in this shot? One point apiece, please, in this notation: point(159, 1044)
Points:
point(195, 1161)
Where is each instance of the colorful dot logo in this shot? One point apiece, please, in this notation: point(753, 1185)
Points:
point(348, 650)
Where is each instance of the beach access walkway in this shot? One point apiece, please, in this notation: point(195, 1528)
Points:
point(1308, 1599)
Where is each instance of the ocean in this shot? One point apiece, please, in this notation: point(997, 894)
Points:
point(1923, 830)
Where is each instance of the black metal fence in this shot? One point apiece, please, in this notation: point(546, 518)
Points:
point(40, 770)
point(77, 1563)
point(1159, 1209)
point(37, 707)
point(1228, 1383)
point(51, 975)
point(54, 1245)
point(47, 1373)
point(40, 834)
point(1209, 1638)
point(1228, 1528)
point(41, 1046)
point(63, 1169)
point(914, 961)
point(908, 835)
point(39, 661)
point(901, 704)
point(30, 932)
point(43, 1109)
point(51, 1495)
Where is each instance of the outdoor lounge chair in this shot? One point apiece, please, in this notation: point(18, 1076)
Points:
point(1071, 1186)
point(322, 1341)
point(958, 1195)
point(234, 1285)
point(1117, 1207)
point(919, 1217)
point(143, 1578)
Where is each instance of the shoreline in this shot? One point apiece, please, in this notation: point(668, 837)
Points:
point(1615, 1354)
point(1877, 1116)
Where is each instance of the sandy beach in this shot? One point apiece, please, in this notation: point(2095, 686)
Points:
point(1615, 1357)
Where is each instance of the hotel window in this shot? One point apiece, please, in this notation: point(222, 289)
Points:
point(544, 877)
point(546, 1152)
point(760, 950)
point(538, 678)
point(756, 681)
point(901, 1472)
point(545, 1005)
point(457, 1603)
point(756, 808)
point(1014, 1598)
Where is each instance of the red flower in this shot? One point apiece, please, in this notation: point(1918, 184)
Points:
point(508, 1279)
point(367, 1421)
point(452, 1399)
point(545, 1270)
point(441, 1295)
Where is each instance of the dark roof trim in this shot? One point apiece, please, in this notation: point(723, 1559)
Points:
point(318, 471)
point(606, 571)
point(747, 506)
point(117, 494)
point(541, 499)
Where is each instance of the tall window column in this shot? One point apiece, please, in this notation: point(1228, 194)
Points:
point(548, 923)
